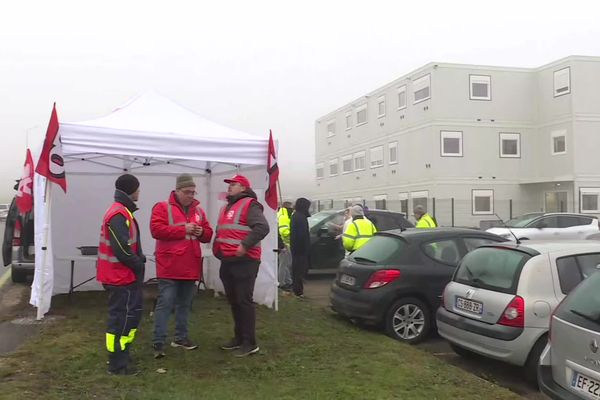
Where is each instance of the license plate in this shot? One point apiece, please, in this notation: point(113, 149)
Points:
point(586, 385)
point(347, 280)
point(469, 305)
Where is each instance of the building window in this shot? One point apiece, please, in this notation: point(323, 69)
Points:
point(359, 161)
point(333, 167)
point(480, 87)
point(393, 152)
point(376, 156)
point(589, 200)
point(420, 199)
point(361, 115)
point(421, 89)
point(380, 201)
point(559, 142)
point(403, 203)
point(346, 164)
point(510, 145)
point(402, 97)
point(320, 171)
point(349, 120)
point(451, 143)
point(381, 107)
point(331, 128)
point(483, 202)
point(562, 81)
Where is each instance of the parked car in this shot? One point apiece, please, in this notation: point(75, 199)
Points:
point(327, 251)
point(18, 248)
point(4, 211)
point(549, 226)
point(499, 301)
point(396, 279)
point(569, 367)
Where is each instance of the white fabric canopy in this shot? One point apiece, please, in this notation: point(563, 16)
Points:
point(155, 139)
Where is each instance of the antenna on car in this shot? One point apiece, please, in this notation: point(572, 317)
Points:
point(507, 227)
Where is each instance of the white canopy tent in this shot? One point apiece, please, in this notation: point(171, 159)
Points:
point(155, 139)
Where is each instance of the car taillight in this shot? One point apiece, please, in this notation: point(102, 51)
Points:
point(382, 278)
point(17, 233)
point(514, 314)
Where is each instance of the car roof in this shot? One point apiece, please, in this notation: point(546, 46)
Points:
point(569, 214)
point(536, 247)
point(426, 234)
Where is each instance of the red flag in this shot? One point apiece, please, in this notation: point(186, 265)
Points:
point(25, 190)
point(273, 171)
point(51, 163)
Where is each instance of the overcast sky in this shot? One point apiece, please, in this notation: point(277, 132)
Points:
point(255, 65)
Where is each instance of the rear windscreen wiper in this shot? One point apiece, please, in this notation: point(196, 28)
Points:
point(588, 317)
point(367, 260)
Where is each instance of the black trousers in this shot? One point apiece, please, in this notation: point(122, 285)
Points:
point(299, 268)
point(238, 279)
point(124, 315)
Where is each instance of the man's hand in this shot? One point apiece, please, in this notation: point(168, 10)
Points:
point(240, 251)
point(190, 228)
point(198, 231)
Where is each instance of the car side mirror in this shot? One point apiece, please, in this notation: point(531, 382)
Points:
point(323, 231)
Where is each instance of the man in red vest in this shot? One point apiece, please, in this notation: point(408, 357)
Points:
point(240, 229)
point(121, 272)
point(178, 225)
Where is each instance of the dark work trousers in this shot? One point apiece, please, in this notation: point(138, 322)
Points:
point(238, 279)
point(124, 315)
point(299, 268)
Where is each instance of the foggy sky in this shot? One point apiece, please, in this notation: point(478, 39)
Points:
point(257, 65)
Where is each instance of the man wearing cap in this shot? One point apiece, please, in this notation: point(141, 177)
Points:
point(178, 225)
point(240, 229)
point(120, 269)
point(359, 231)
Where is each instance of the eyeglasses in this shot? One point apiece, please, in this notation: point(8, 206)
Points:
point(189, 192)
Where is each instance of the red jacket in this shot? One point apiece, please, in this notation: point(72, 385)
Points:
point(178, 255)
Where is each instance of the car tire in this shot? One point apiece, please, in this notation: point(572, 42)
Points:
point(18, 276)
point(461, 351)
point(533, 360)
point(408, 320)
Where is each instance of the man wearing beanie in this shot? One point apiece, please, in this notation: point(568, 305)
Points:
point(240, 229)
point(121, 272)
point(178, 225)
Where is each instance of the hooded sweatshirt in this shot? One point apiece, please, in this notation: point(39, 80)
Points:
point(299, 235)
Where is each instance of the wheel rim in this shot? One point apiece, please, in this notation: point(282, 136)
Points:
point(408, 321)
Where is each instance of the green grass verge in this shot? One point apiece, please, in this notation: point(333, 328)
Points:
point(306, 353)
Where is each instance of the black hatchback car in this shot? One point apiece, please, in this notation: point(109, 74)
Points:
point(326, 249)
point(397, 278)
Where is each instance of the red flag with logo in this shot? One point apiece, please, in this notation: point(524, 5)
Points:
point(273, 171)
point(25, 190)
point(51, 163)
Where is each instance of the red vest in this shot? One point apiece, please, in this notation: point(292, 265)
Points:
point(110, 270)
point(232, 228)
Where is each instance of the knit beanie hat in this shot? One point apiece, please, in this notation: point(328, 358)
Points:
point(127, 183)
point(184, 180)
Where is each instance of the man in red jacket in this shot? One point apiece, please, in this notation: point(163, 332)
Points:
point(178, 225)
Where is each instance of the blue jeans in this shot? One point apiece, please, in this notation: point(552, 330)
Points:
point(172, 294)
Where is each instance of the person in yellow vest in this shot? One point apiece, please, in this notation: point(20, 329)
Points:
point(284, 256)
point(424, 220)
point(359, 231)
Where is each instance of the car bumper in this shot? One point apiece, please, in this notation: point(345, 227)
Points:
point(366, 305)
point(477, 337)
point(546, 381)
point(23, 266)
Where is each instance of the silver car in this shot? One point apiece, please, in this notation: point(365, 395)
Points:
point(499, 301)
point(549, 226)
point(570, 364)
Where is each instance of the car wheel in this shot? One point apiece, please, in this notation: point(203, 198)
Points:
point(18, 276)
point(408, 320)
point(533, 360)
point(461, 351)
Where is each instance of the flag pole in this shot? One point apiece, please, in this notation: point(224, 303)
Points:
point(40, 303)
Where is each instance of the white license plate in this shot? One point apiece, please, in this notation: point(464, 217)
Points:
point(347, 280)
point(586, 385)
point(469, 305)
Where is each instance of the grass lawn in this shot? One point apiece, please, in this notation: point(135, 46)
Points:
point(306, 353)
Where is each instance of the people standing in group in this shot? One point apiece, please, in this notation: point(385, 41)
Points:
point(424, 220)
point(300, 245)
point(240, 229)
point(284, 256)
point(120, 269)
point(359, 231)
point(178, 225)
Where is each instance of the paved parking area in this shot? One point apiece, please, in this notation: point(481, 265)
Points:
point(317, 291)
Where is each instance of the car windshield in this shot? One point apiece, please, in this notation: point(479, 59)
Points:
point(381, 249)
point(522, 221)
point(492, 268)
point(317, 218)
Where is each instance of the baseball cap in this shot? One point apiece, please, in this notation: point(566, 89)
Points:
point(242, 180)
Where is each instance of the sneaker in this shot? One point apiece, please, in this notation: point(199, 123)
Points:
point(246, 350)
point(300, 296)
point(129, 370)
point(185, 343)
point(233, 344)
point(159, 350)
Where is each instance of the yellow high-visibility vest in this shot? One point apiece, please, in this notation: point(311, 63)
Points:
point(426, 222)
point(358, 232)
point(283, 221)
